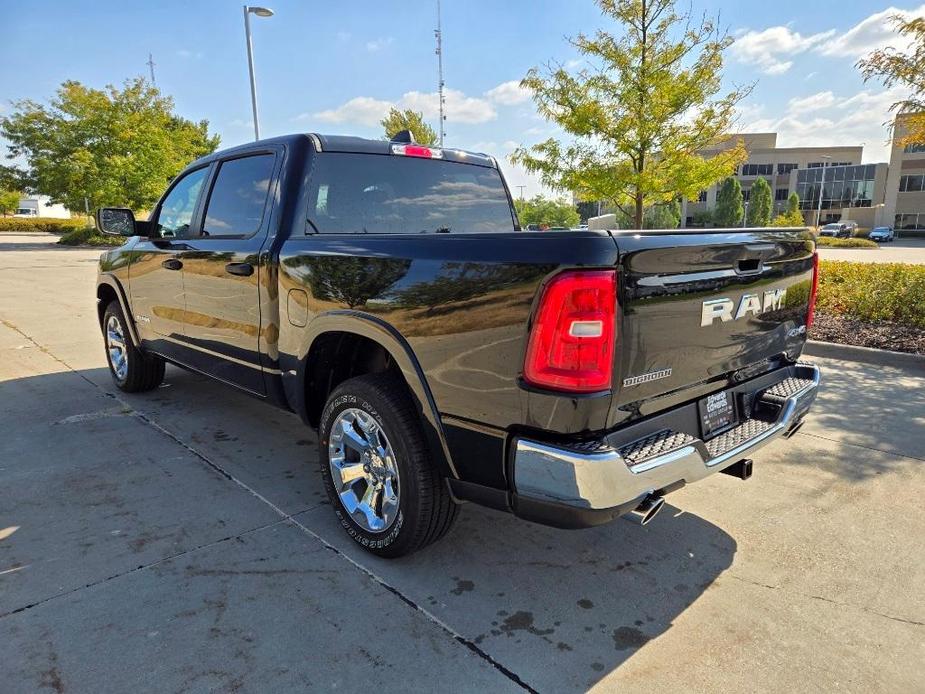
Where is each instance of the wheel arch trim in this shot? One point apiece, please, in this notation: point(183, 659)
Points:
point(387, 337)
point(114, 284)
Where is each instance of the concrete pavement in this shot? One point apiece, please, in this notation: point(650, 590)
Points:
point(911, 250)
point(180, 541)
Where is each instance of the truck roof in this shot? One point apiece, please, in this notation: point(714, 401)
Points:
point(349, 144)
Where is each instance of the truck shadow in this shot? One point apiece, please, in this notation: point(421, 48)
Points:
point(560, 609)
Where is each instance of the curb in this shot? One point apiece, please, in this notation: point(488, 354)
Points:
point(877, 357)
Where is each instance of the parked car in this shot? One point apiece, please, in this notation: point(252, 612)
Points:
point(850, 226)
point(881, 234)
point(385, 292)
point(836, 229)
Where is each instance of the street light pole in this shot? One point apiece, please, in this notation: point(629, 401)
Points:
point(821, 188)
point(260, 12)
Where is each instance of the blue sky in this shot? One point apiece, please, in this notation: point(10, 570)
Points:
point(335, 67)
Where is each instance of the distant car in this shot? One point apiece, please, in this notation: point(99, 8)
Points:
point(849, 226)
point(836, 229)
point(881, 234)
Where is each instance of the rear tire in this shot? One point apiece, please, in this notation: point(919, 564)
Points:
point(388, 496)
point(131, 370)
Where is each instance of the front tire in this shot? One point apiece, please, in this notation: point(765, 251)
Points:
point(377, 468)
point(131, 370)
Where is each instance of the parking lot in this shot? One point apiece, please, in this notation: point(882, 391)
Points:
point(901, 250)
point(180, 541)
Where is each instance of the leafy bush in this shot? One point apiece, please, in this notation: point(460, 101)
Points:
point(873, 291)
point(59, 226)
point(86, 236)
point(845, 243)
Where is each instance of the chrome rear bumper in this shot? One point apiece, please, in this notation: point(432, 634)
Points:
point(603, 476)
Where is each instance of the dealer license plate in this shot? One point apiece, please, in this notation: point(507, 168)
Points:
point(717, 413)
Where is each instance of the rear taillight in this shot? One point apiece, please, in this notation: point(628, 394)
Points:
point(811, 311)
point(417, 151)
point(572, 338)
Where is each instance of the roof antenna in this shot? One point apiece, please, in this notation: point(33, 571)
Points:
point(403, 136)
point(438, 33)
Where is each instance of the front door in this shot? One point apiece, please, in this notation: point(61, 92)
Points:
point(155, 275)
point(222, 272)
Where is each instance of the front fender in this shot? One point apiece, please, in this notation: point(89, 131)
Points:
point(391, 340)
point(110, 281)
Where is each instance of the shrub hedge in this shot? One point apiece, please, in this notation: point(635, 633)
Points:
point(89, 237)
point(873, 291)
point(41, 224)
point(833, 242)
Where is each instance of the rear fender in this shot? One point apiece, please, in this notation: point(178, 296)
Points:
point(402, 355)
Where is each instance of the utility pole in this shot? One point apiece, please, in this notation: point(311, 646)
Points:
point(438, 33)
point(521, 191)
point(151, 65)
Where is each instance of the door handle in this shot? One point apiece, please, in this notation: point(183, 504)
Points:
point(172, 264)
point(242, 269)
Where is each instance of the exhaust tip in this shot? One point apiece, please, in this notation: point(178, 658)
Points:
point(647, 509)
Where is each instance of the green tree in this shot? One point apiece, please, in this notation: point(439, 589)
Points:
point(9, 201)
point(729, 209)
point(540, 210)
point(703, 218)
point(791, 217)
point(114, 146)
point(639, 117)
point(905, 68)
point(759, 204)
point(397, 121)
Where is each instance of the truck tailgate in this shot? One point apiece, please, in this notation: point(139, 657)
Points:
point(699, 306)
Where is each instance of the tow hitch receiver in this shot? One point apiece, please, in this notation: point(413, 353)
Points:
point(741, 469)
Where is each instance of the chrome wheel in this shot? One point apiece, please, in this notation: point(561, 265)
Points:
point(115, 348)
point(364, 470)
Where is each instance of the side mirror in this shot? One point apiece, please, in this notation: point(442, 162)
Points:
point(116, 221)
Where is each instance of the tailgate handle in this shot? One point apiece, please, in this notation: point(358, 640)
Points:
point(749, 266)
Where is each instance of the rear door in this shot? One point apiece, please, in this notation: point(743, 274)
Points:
point(222, 270)
point(697, 307)
point(156, 280)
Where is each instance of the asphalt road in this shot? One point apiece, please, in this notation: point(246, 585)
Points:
point(179, 541)
point(898, 251)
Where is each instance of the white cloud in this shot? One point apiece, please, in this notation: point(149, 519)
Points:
point(875, 31)
point(240, 123)
point(362, 110)
point(377, 45)
point(813, 102)
point(184, 53)
point(366, 110)
point(344, 35)
point(858, 119)
point(771, 49)
point(508, 93)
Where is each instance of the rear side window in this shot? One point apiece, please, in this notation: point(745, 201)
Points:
point(239, 196)
point(387, 194)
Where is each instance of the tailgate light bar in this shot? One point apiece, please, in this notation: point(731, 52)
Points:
point(417, 151)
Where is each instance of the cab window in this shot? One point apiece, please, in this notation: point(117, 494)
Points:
point(178, 207)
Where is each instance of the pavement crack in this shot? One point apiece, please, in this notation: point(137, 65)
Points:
point(141, 567)
point(822, 598)
point(284, 518)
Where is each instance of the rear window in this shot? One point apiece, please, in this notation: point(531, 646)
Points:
point(389, 194)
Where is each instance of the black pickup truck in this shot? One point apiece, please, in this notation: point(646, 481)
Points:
point(386, 293)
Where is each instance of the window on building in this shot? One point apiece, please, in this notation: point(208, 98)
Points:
point(781, 194)
point(911, 183)
point(702, 196)
point(910, 222)
point(783, 169)
point(815, 165)
point(757, 169)
point(844, 186)
point(239, 197)
point(914, 148)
